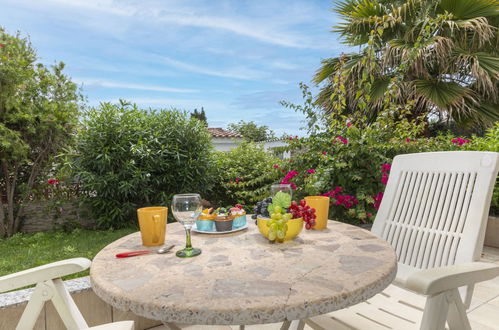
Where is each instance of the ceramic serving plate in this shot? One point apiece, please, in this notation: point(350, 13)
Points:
point(214, 232)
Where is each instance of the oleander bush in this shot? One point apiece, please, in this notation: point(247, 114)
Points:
point(244, 175)
point(128, 158)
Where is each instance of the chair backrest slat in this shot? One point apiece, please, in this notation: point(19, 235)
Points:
point(435, 207)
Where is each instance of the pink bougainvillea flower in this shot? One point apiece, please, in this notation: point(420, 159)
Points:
point(289, 176)
point(311, 171)
point(349, 124)
point(377, 200)
point(369, 214)
point(52, 181)
point(342, 139)
point(293, 186)
point(386, 167)
point(460, 141)
point(239, 179)
point(384, 178)
point(346, 201)
point(276, 166)
point(407, 140)
point(290, 138)
point(324, 152)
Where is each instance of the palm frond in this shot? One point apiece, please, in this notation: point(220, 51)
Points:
point(469, 9)
point(442, 94)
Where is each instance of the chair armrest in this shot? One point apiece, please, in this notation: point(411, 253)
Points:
point(43, 273)
point(436, 280)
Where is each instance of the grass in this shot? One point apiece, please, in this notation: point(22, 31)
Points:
point(23, 251)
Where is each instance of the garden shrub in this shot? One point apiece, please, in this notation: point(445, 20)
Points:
point(488, 142)
point(129, 158)
point(353, 166)
point(244, 175)
point(349, 158)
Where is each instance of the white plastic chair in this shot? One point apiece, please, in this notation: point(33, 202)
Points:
point(49, 286)
point(434, 214)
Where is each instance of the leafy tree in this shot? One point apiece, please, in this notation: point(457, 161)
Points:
point(439, 55)
point(201, 115)
point(251, 131)
point(38, 114)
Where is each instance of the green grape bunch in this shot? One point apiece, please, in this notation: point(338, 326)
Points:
point(278, 223)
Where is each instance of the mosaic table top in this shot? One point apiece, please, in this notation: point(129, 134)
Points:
point(242, 278)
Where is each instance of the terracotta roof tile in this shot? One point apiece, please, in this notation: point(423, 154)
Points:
point(218, 132)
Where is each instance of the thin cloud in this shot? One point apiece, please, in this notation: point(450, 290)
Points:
point(263, 30)
point(112, 84)
point(237, 73)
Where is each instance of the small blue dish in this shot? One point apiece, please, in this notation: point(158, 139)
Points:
point(239, 221)
point(204, 225)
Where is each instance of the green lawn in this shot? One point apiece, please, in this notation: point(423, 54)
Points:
point(24, 251)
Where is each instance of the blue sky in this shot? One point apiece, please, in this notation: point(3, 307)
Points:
point(237, 59)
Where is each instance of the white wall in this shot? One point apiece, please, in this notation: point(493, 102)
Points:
point(225, 144)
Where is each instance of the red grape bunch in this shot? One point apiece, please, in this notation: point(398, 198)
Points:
point(304, 211)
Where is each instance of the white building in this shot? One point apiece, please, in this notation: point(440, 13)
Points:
point(224, 140)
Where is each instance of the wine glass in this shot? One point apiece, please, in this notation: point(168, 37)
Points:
point(186, 209)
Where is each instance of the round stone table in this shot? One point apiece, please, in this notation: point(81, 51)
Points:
point(241, 278)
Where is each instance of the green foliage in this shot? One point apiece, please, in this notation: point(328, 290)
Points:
point(488, 142)
point(280, 202)
point(129, 158)
point(251, 131)
point(244, 175)
point(23, 251)
point(38, 114)
point(441, 55)
point(350, 155)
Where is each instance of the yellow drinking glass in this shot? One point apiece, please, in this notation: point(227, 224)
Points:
point(152, 223)
point(321, 206)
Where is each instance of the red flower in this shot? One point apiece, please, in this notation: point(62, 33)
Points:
point(2, 45)
point(377, 200)
point(407, 140)
point(342, 139)
point(384, 178)
point(369, 214)
point(324, 152)
point(349, 124)
point(239, 206)
point(460, 141)
point(311, 171)
point(386, 167)
point(276, 166)
point(53, 181)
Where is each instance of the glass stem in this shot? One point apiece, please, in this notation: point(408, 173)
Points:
point(188, 238)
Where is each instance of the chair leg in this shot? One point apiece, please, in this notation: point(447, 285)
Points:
point(457, 318)
point(66, 307)
point(435, 312)
point(293, 325)
point(41, 294)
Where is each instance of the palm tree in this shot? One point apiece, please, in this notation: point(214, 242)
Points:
point(441, 54)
